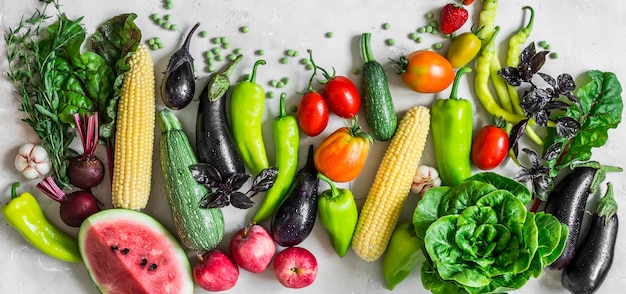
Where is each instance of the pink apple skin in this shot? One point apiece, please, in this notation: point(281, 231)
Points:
point(215, 271)
point(295, 267)
point(252, 248)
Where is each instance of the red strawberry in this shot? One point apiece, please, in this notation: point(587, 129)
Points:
point(467, 2)
point(453, 17)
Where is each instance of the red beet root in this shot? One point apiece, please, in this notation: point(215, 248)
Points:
point(75, 206)
point(86, 171)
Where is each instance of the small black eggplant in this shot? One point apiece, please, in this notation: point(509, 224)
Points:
point(295, 217)
point(594, 258)
point(214, 139)
point(179, 83)
point(568, 200)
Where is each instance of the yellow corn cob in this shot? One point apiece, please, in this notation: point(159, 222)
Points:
point(392, 184)
point(134, 137)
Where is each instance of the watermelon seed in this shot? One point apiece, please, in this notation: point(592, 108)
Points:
point(113, 248)
point(125, 251)
point(152, 267)
point(144, 261)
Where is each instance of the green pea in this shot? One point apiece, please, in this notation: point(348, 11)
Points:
point(223, 40)
point(418, 40)
point(225, 45)
point(167, 17)
point(356, 71)
point(155, 47)
point(269, 94)
point(421, 30)
point(547, 47)
point(212, 68)
point(285, 80)
point(435, 31)
point(429, 15)
point(159, 21)
point(433, 24)
point(204, 34)
point(217, 50)
point(219, 58)
point(167, 25)
point(542, 44)
point(273, 83)
point(554, 55)
point(290, 52)
point(259, 52)
point(216, 40)
point(437, 46)
point(386, 26)
point(244, 29)
point(309, 66)
point(232, 56)
point(295, 53)
point(391, 42)
point(174, 27)
point(154, 16)
point(413, 36)
point(208, 54)
point(151, 42)
point(284, 60)
point(237, 51)
point(429, 29)
point(329, 35)
point(305, 61)
point(169, 5)
point(280, 84)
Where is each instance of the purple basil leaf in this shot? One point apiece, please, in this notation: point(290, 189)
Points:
point(511, 75)
point(574, 99)
point(206, 174)
point(263, 181)
point(523, 176)
point(213, 200)
point(548, 78)
point(236, 181)
point(527, 54)
point(566, 83)
point(532, 156)
point(516, 132)
point(537, 61)
point(541, 118)
point(541, 186)
point(567, 127)
point(535, 100)
point(240, 200)
point(552, 152)
point(557, 105)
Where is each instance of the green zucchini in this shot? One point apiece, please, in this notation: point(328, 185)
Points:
point(198, 228)
point(379, 110)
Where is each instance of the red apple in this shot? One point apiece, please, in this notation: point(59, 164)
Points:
point(215, 271)
point(295, 267)
point(252, 248)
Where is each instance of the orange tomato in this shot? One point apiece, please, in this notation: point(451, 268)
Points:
point(341, 156)
point(426, 71)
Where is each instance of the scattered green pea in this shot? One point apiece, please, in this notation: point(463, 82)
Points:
point(421, 30)
point(269, 94)
point(208, 54)
point(418, 40)
point(437, 46)
point(295, 53)
point(309, 66)
point(212, 68)
point(216, 40)
point(391, 42)
point(216, 50)
point(547, 47)
point(225, 45)
point(386, 26)
point(429, 15)
point(223, 40)
point(285, 80)
point(273, 83)
point(169, 5)
point(204, 34)
point(280, 84)
point(159, 21)
point(167, 25)
point(155, 47)
point(259, 52)
point(435, 31)
point(305, 61)
point(554, 55)
point(167, 17)
point(154, 16)
point(244, 29)
point(356, 71)
point(542, 44)
point(284, 60)
point(232, 56)
point(151, 42)
point(329, 35)
point(237, 51)
point(290, 52)
point(219, 58)
point(429, 29)
point(413, 36)
point(174, 27)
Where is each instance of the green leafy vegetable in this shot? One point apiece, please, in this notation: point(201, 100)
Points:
point(479, 237)
point(600, 109)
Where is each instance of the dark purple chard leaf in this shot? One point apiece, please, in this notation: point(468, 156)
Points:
point(567, 127)
point(206, 174)
point(236, 181)
point(263, 181)
point(240, 200)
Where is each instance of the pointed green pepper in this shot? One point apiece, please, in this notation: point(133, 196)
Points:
point(403, 254)
point(246, 111)
point(338, 213)
point(286, 141)
point(451, 128)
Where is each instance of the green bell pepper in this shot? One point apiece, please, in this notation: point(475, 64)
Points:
point(403, 254)
point(451, 128)
point(24, 214)
point(247, 106)
point(286, 142)
point(338, 213)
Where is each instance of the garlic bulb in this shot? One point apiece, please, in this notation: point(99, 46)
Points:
point(32, 161)
point(425, 178)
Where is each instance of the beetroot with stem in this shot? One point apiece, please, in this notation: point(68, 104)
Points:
point(75, 206)
point(86, 171)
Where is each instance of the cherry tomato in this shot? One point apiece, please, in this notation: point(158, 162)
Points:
point(312, 114)
point(463, 49)
point(489, 147)
point(342, 96)
point(341, 156)
point(426, 71)
point(467, 2)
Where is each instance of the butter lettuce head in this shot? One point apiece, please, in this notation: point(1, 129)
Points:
point(480, 238)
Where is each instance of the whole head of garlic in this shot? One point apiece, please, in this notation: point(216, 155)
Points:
point(425, 178)
point(32, 161)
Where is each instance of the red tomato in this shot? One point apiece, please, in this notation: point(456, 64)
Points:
point(341, 156)
point(489, 147)
point(342, 96)
point(426, 71)
point(312, 114)
point(467, 2)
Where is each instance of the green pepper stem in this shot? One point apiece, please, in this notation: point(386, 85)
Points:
point(253, 75)
point(526, 30)
point(14, 190)
point(366, 48)
point(334, 192)
point(455, 85)
point(283, 112)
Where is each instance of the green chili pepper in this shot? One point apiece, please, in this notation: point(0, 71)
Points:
point(286, 142)
point(487, 19)
point(247, 106)
point(403, 254)
point(338, 214)
point(451, 127)
point(24, 214)
point(513, 55)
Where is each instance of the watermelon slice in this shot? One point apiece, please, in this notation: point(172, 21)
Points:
point(127, 251)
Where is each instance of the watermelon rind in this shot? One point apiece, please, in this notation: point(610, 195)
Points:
point(173, 260)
